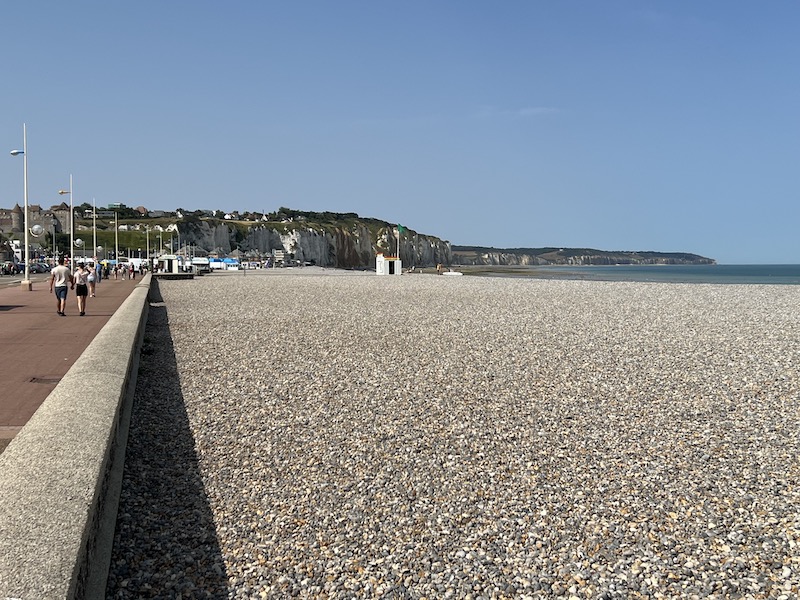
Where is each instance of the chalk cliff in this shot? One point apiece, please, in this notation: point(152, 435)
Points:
point(349, 245)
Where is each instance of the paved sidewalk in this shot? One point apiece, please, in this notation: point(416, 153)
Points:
point(39, 346)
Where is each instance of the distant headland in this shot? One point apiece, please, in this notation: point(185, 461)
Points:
point(477, 255)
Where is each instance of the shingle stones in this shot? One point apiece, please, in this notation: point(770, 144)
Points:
point(337, 435)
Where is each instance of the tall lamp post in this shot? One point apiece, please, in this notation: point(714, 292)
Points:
point(54, 222)
point(116, 237)
point(71, 220)
point(94, 229)
point(27, 281)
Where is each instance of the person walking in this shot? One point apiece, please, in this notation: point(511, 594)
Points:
point(81, 281)
point(91, 279)
point(60, 277)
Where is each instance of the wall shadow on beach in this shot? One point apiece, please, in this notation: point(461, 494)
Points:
point(165, 543)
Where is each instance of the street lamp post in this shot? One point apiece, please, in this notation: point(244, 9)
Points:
point(24, 152)
point(54, 222)
point(71, 220)
point(36, 231)
point(116, 236)
point(94, 228)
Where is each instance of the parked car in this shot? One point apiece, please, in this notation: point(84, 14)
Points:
point(39, 268)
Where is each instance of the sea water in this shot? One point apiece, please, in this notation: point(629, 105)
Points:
point(738, 274)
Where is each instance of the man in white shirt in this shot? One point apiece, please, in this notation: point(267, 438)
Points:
point(60, 277)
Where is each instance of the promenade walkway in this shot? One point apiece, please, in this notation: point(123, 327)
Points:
point(39, 346)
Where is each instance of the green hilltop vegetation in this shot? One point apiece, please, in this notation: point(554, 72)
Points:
point(288, 219)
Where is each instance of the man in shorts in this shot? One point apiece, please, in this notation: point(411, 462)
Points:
point(60, 278)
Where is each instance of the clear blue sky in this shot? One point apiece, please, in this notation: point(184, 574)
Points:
point(617, 125)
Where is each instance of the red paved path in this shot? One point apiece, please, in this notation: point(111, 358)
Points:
point(39, 346)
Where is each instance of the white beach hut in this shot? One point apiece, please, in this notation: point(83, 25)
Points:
point(388, 265)
point(170, 263)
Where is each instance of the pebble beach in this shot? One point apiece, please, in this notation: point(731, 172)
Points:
point(310, 433)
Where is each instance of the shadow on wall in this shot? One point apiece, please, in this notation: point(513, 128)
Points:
point(165, 544)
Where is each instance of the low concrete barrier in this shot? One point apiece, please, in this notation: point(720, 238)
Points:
point(60, 477)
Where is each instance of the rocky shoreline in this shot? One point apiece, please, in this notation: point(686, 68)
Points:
point(329, 434)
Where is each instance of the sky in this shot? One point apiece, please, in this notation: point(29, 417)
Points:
point(616, 125)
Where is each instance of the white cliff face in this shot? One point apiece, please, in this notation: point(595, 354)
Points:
point(290, 244)
point(499, 258)
point(310, 246)
point(330, 246)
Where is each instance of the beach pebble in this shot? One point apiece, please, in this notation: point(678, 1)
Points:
point(316, 433)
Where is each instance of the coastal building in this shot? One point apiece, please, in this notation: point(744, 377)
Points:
point(12, 220)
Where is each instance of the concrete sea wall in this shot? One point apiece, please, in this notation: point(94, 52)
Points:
point(60, 477)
